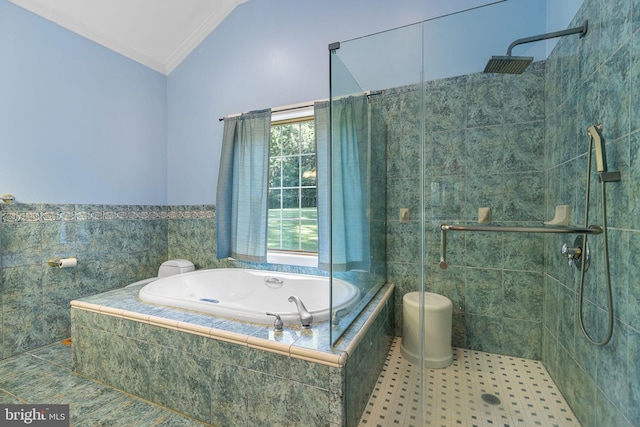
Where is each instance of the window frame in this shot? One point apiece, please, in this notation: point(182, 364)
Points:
point(283, 256)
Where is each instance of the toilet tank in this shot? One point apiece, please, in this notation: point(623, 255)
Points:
point(175, 266)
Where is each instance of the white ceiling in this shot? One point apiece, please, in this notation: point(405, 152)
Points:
point(155, 33)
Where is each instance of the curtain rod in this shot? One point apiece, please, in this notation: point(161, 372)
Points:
point(299, 106)
point(280, 109)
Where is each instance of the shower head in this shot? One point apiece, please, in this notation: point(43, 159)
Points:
point(517, 64)
point(508, 64)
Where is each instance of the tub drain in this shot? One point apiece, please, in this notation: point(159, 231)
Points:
point(490, 399)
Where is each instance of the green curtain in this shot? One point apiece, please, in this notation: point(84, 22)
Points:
point(342, 177)
point(242, 191)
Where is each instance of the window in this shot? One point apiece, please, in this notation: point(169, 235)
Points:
point(293, 215)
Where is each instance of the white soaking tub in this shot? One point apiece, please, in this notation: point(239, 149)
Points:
point(245, 294)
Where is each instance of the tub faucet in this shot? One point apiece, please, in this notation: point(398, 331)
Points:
point(305, 317)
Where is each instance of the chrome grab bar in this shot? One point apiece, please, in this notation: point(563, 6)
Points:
point(592, 229)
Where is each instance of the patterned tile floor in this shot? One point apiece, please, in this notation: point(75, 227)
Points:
point(454, 395)
point(518, 392)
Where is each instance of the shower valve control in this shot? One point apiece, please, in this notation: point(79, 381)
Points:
point(571, 252)
point(574, 253)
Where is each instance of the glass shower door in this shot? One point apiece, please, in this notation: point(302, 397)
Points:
point(367, 143)
point(381, 76)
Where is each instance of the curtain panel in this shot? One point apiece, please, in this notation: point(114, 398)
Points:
point(343, 226)
point(242, 190)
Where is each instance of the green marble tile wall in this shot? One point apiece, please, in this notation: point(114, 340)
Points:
point(192, 235)
point(365, 364)
point(484, 146)
point(115, 245)
point(589, 81)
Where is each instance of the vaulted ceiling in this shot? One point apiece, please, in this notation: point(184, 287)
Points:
point(155, 33)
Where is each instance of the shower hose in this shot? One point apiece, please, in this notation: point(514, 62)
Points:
point(605, 236)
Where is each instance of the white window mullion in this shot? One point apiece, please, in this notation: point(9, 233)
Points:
point(291, 222)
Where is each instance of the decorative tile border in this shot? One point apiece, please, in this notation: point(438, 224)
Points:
point(12, 217)
point(29, 213)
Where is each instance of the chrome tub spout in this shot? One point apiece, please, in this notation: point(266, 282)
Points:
point(306, 318)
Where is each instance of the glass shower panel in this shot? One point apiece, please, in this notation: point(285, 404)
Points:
point(366, 75)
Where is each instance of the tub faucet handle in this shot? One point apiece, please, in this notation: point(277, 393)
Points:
point(335, 318)
point(277, 324)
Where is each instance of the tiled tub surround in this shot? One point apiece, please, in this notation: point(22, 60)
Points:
point(229, 373)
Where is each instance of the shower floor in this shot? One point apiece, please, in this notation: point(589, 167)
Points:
point(477, 389)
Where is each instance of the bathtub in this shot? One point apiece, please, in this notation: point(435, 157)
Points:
point(247, 295)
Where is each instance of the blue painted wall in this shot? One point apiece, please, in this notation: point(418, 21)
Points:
point(78, 122)
point(82, 124)
point(267, 53)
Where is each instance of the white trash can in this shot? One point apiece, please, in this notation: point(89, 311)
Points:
point(438, 312)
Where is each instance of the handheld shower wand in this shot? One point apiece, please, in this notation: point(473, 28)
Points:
point(596, 142)
point(595, 133)
point(601, 157)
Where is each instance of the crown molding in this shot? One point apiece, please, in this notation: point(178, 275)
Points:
point(163, 65)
